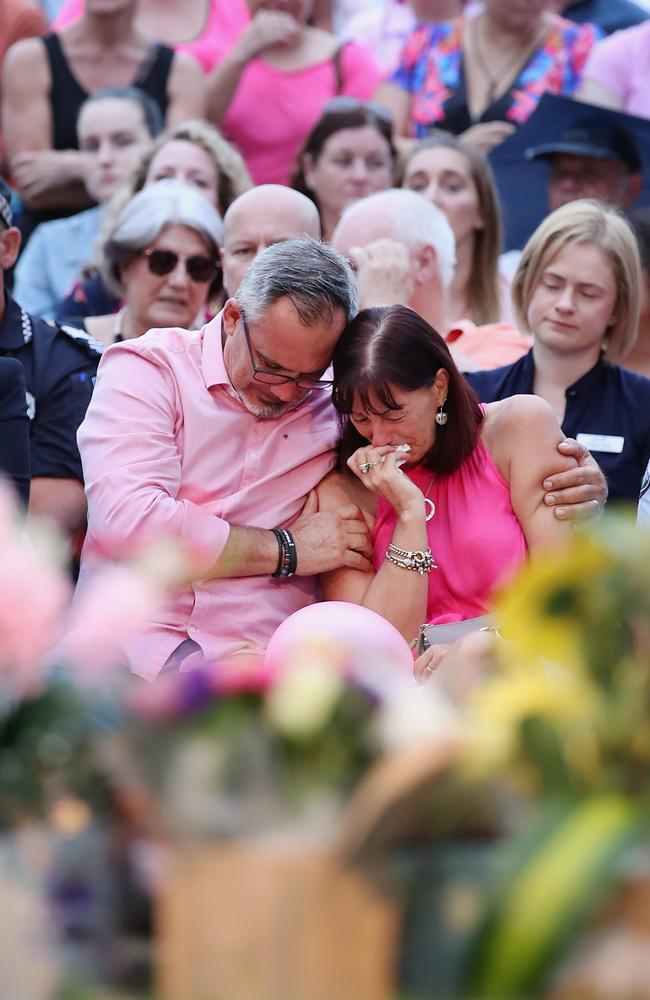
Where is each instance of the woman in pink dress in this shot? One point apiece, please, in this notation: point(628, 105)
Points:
point(453, 489)
point(268, 92)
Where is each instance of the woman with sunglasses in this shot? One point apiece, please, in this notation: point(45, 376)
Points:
point(162, 259)
point(193, 152)
point(348, 154)
point(269, 90)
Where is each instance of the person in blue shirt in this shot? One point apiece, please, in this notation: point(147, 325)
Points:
point(59, 366)
point(14, 427)
point(114, 128)
point(577, 290)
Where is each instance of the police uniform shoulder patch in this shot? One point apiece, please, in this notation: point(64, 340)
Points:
point(26, 325)
point(31, 405)
point(82, 338)
point(645, 484)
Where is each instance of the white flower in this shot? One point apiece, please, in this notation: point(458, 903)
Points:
point(303, 698)
point(414, 715)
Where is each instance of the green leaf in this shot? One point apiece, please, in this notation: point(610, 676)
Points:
point(549, 895)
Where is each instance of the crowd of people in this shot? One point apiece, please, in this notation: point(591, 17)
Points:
point(255, 298)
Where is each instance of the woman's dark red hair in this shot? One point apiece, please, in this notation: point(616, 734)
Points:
point(393, 347)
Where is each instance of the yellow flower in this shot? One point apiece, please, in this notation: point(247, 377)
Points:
point(540, 610)
point(566, 701)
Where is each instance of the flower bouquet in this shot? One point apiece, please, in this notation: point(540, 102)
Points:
point(562, 726)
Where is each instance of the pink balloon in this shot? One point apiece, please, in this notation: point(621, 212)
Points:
point(352, 634)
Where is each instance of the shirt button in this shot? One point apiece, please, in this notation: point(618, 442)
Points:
point(572, 394)
point(191, 629)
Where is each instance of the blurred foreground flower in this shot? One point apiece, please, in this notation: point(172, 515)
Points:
point(33, 596)
point(563, 721)
point(110, 609)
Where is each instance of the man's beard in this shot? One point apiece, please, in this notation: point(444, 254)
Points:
point(273, 411)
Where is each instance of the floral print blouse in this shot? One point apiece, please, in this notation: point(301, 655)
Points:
point(431, 71)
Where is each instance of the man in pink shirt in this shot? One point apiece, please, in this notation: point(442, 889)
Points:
point(215, 438)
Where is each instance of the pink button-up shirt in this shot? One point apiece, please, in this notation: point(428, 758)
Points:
point(168, 450)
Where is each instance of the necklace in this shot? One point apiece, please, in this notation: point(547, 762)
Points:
point(429, 505)
point(508, 70)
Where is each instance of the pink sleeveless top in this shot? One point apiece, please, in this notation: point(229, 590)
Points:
point(474, 536)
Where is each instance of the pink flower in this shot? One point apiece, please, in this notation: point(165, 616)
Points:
point(111, 608)
point(34, 593)
point(239, 674)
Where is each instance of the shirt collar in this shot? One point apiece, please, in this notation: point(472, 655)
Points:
point(586, 384)
point(214, 369)
point(16, 326)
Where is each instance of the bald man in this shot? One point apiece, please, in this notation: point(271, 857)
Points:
point(268, 214)
point(403, 251)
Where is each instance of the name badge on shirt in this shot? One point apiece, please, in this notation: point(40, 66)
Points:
point(602, 442)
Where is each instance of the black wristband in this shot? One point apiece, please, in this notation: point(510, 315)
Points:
point(292, 552)
point(281, 551)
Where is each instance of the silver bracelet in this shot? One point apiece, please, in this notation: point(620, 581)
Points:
point(421, 562)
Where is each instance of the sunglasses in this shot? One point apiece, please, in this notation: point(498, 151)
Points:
point(273, 378)
point(198, 267)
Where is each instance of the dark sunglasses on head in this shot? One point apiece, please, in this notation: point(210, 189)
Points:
point(198, 267)
point(343, 104)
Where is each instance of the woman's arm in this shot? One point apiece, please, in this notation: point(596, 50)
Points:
point(44, 177)
point(186, 90)
point(267, 28)
point(522, 434)
point(396, 593)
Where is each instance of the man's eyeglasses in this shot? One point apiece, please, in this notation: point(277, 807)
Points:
point(274, 378)
point(199, 268)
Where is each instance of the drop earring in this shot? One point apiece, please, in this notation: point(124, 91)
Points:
point(441, 416)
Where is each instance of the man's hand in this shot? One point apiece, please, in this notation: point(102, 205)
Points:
point(384, 273)
point(580, 493)
point(329, 539)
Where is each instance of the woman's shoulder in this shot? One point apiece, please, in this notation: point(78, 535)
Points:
point(629, 381)
point(515, 423)
point(339, 488)
point(28, 55)
point(445, 33)
point(523, 432)
point(517, 413)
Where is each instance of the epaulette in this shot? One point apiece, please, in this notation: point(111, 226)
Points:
point(81, 337)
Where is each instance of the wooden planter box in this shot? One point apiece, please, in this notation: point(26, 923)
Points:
point(269, 920)
point(260, 922)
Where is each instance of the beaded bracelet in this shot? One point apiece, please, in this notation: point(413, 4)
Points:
point(291, 553)
point(421, 562)
point(287, 554)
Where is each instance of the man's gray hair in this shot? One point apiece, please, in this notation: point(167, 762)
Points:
point(411, 219)
point(165, 203)
point(316, 279)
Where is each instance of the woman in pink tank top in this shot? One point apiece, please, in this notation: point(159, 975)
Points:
point(454, 488)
